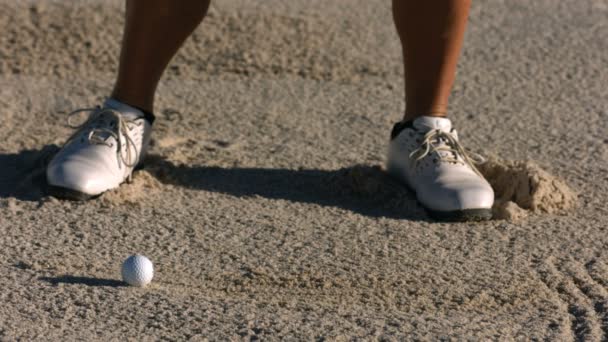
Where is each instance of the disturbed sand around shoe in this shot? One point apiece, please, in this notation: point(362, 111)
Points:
point(263, 204)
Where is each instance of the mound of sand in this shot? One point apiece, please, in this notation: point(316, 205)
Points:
point(143, 184)
point(522, 186)
point(361, 180)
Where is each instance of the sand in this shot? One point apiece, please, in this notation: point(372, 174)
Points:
point(264, 205)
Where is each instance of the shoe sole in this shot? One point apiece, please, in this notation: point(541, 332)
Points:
point(465, 215)
point(69, 194)
point(73, 195)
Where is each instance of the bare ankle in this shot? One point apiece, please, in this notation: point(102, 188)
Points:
point(411, 116)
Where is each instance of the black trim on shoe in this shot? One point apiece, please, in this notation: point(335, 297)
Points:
point(400, 126)
point(149, 116)
point(475, 215)
point(69, 194)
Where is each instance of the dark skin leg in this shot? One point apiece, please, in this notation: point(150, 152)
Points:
point(154, 31)
point(431, 34)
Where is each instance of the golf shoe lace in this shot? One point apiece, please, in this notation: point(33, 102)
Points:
point(437, 141)
point(103, 123)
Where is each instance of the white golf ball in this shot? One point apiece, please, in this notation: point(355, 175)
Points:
point(137, 270)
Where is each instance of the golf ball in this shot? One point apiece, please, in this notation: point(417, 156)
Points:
point(137, 270)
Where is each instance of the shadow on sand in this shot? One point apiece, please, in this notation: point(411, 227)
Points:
point(88, 281)
point(363, 189)
point(22, 175)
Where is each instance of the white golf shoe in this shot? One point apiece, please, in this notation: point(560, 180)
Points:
point(426, 156)
point(101, 154)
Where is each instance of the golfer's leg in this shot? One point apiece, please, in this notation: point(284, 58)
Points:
point(431, 34)
point(446, 183)
point(154, 31)
point(85, 168)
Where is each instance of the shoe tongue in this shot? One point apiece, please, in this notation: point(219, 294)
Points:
point(427, 123)
point(128, 112)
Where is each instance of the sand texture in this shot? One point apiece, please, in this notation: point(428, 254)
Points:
point(264, 205)
point(522, 186)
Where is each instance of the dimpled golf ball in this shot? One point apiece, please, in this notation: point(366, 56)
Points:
point(137, 270)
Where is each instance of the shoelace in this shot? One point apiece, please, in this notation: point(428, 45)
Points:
point(98, 126)
point(450, 145)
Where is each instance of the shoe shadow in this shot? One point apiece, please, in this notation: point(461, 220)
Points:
point(363, 189)
point(88, 281)
point(22, 175)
